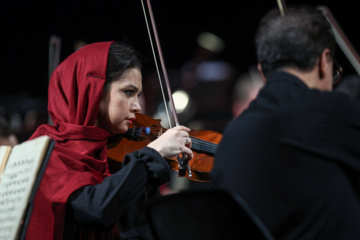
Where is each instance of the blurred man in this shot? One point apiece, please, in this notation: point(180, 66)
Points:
point(294, 154)
point(7, 136)
point(245, 90)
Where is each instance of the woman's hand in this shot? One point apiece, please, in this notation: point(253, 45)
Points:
point(173, 142)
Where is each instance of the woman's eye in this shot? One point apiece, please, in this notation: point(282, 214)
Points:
point(129, 92)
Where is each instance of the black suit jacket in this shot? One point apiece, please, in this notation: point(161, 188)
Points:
point(294, 157)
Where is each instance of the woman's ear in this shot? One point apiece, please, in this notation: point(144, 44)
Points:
point(261, 72)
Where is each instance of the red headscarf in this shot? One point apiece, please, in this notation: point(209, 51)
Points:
point(80, 156)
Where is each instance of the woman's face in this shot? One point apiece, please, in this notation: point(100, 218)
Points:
point(120, 103)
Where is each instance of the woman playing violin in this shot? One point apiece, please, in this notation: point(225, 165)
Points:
point(93, 95)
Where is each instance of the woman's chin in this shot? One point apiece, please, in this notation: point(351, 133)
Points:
point(118, 131)
point(123, 130)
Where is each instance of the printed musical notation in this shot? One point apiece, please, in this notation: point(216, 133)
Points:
point(16, 184)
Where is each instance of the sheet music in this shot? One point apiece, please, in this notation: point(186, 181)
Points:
point(17, 183)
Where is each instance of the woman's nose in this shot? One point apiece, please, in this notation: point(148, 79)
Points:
point(135, 107)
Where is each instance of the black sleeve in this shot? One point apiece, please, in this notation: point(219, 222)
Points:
point(102, 204)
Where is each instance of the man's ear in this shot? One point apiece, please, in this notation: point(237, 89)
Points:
point(324, 62)
point(261, 72)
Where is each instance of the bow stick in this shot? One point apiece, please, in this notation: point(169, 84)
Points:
point(183, 163)
point(342, 40)
point(282, 7)
point(340, 36)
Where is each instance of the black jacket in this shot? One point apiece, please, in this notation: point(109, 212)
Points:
point(121, 199)
point(294, 157)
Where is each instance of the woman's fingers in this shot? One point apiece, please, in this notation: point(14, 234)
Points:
point(173, 142)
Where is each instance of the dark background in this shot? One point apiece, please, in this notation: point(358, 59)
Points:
point(26, 28)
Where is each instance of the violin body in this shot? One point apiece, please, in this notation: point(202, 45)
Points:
point(146, 129)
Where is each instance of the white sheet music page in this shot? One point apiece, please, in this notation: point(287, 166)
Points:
point(17, 182)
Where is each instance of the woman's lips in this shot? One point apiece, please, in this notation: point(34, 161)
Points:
point(131, 120)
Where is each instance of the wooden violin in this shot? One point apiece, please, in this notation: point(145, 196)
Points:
point(146, 129)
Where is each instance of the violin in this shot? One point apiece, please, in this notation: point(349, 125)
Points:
point(146, 129)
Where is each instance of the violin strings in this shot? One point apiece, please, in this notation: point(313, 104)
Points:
point(197, 144)
point(202, 142)
point(206, 146)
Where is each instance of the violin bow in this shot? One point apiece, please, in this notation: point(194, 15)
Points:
point(340, 36)
point(342, 40)
point(282, 7)
point(183, 163)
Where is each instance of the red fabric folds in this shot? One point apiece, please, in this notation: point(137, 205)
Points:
point(80, 156)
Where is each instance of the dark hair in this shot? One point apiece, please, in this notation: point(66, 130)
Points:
point(122, 57)
point(295, 39)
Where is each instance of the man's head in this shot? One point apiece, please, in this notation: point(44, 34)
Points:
point(298, 40)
